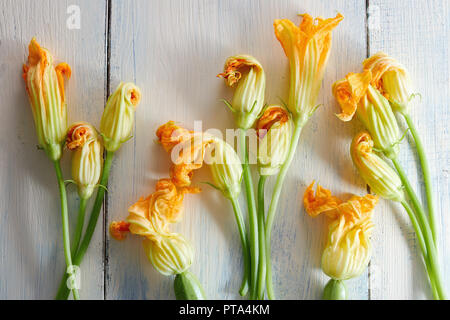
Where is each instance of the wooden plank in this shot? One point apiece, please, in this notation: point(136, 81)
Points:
point(32, 259)
point(417, 34)
point(173, 50)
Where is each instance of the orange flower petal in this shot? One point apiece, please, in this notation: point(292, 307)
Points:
point(170, 134)
point(62, 70)
point(271, 116)
point(349, 91)
point(150, 217)
point(78, 134)
point(119, 229)
point(321, 202)
point(234, 64)
point(379, 64)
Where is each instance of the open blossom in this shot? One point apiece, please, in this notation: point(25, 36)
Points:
point(45, 88)
point(274, 129)
point(391, 79)
point(355, 94)
point(348, 249)
point(248, 99)
point(307, 47)
point(150, 218)
point(118, 117)
point(381, 178)
point(87, 157)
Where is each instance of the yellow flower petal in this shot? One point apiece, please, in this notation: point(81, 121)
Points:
point(349, 91)
point(307, 47)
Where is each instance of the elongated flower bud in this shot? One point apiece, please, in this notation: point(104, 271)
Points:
point(348, 249)
point(355, 94)
point(45, 88)
point(391, 79)
point(170, 255)
point(381, 178)
point(226, 168)
point(118, 117)
point(307, 47)
point(274, 129)
point(87, 158)
point(248, 99)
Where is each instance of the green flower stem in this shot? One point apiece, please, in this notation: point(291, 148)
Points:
point(423, 248)
point(245, 248)
point(78, 257)
point(274, 202)
point(426, 230)
point(80, 224)
point(411, 194)
point(252, 215)
point(426, 174)
point(65, 222)
point(260, 288)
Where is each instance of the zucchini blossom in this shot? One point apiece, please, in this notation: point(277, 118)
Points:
point(248, 99)
point(226, 168)
point(391, 79)
point(356, 94)
point(170, 253)
point(87, 158)
point(348, 249)
point(118, 117)
point(274, 129)
point(45, 88)
point(381, 177)
point(307, 48)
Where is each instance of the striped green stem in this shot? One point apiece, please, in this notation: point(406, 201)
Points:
point(65, 226)
point(63, 291)
point(252, 215)
point(274, 203)
point(261, 286)
point(426, 174)
point(80, 224)
point(425, 228)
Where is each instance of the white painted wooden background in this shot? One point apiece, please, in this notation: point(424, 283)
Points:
point(173, 51)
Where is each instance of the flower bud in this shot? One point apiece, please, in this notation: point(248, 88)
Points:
point(274, 129)
point(348, 249)
point(118, 117)
point(170, 255)
point(307, 47)
point(355, 94)
point(226, 168)
point(248, 99)
point(391, 79)
point(381, 178)
point(45, 88)
point(87, 157)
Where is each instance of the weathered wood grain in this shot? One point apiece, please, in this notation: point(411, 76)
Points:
point(31, 251)
point(417, 34)
point(173, 50)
